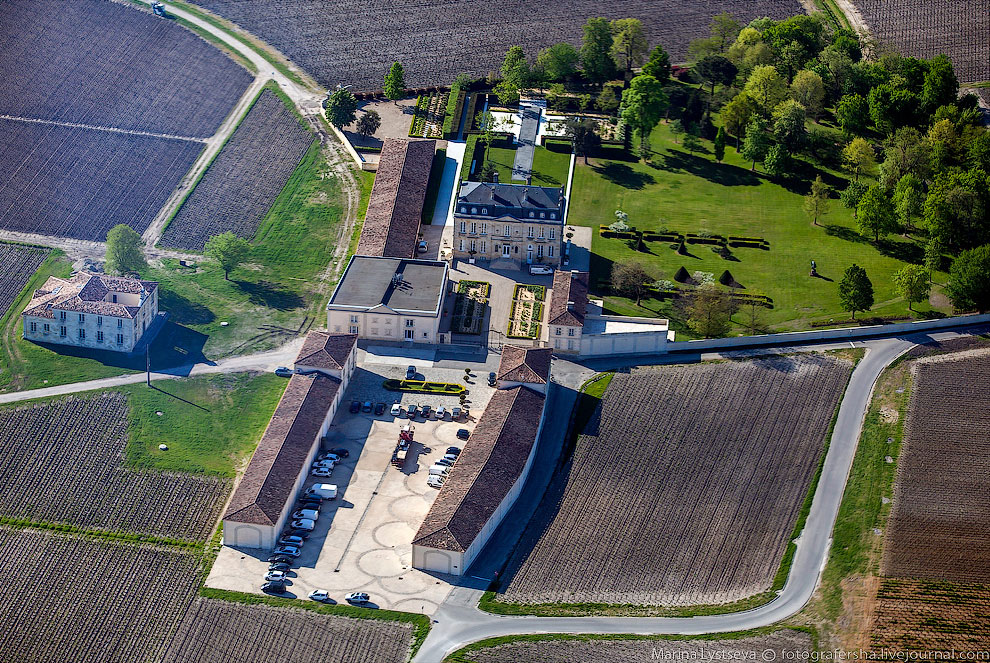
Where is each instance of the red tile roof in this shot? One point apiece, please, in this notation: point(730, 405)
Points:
point(391, 225)
point(568, 287)
point(530, 365)
point(267, 485)
point(84, 293)
point(325, 350)
point(487, 468)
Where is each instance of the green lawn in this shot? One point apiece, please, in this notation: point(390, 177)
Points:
point(692, 194)
point(549, 166)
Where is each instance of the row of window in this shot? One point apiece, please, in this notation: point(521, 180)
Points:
point(570, 331)
point(408, 334)
point(484, 210)
point(82, 319)
point(64, 332)
point(409, 322)
point(507, 230)
point(504, 249)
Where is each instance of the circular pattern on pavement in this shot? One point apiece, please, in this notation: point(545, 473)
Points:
point(380, 563)
point(395, 533)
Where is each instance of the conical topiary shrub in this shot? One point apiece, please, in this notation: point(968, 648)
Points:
point(682, 275)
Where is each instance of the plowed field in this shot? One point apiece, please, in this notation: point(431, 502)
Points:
point(17, 265)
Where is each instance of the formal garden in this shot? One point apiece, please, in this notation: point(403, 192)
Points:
point(470, 305)
point(526, 311)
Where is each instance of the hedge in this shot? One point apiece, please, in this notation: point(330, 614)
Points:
point(423, 387)
point(455, 106)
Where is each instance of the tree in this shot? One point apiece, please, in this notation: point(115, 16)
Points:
point(607, 102)
point(585, 136)
point(757, 142)
point(631, 279)
point(875, 213)
point(892, 108)
point(941, 87)
point(628, 43)
point(124, 250)
point(777, 160)
point(858, 155)
point(692, 143)
point(341, 108)
point(905, 152)
point(719, 144)
point(557, 96)
point(557, 62)
point(852, 194)
point(808, 89)
point(913, 284)
point(658, 65)
point(709, 311)
point(507, 93)
point(788, 125)
point(228, 250)
point(395, 82)
point(933, 256)
point(724, 30)
point(855, 291)
point(957, 209)
point(596, 50)
point(817, 203)
point(909, 199)
point(369, 123)
point(677, 128)
point(736, 115)
point(969, 280)
point(716, 69)
point(766, 87)
point(853, 114)
point(643, 104)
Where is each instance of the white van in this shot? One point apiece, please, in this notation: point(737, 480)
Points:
point(439, 470)
point(327, 491)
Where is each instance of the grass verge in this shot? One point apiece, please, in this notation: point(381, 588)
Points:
point(433, 190)
point(116, 536)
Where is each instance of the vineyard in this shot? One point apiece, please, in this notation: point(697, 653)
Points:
point(244, 180)
point(712, 457)
point(216, 631)
point(785, 644)
point(338, 43)
point(939, 525)
point(925, 28)
point(62, 461)
point(70, 599)
point(80, 183)
point(925, 615)
point(19, 265)
point(58, 61)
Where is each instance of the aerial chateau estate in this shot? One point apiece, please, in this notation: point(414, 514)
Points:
point(336, 333)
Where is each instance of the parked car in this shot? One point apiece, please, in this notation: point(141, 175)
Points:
point(273, 587)
point(283, 372)
point(426, 411)
point(290, 539)
point(492, 378)
point(310, 502)
point(423, 246)
point(367, 407)
point(279, 566)
point(463, 434)
point(327, 456)
point(306, 514)
point(453, 451)
point(396, 410)
point(379, 409)
point(435, 481)
point(439, 469)
point(340, 452)
point(410, 372)
point(540, 269)
point(275, 559)
point(357, 597)
point(307, 525)
point(455, 413)
point(288, 551)
point(445, 461)
point(301, 533)
point(321, 472)
point(326, 464)
point(327, 491)
point(355, 407)
point(441, 413)
point(412, 411)
point(321, 595)
point(276, 576)
point(451, 457)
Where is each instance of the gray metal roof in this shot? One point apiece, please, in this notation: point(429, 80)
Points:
point(404, 285)
point(511, 195)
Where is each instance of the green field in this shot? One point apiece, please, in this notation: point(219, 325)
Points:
point(693, 194)
point(549, 166)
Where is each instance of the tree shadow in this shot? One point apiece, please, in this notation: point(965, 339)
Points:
point(845, 233)
point(903, 251)
point(271, 295)
point(623, 175)
point(183, 311)
point(718, 173)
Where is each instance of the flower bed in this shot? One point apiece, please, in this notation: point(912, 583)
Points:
point(526, 312)
point(422, 387)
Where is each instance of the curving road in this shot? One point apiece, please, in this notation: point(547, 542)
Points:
point(459, 622)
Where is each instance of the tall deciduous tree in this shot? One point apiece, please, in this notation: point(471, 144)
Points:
point(788, 125)
point(631, 279)
point(858, 156)
point(933, 256)
point(341, 108)
point(658, 65)
point(227, 250)
point(736, 115)
point(941, 87)
point(757, 141)
point(515, 67)
point(875, 213)
point(585, 137)
point(909, 199)
point(853, 114)
point(855, 290)
point(817, 203)
point(709, 311)
point(767, 88)
point(643, 104)
point(395, 82)
point(969, 280)
point(913, 284)
point(808, 89)
point(716, 70)
point(125, 250)
point(558, 62)
point(596, 50)
point(629, 43)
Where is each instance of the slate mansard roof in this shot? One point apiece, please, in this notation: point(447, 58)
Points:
point(502, 197)
point(85, 293)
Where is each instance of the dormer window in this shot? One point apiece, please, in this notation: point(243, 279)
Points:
point(531, 215)
point(463, 210)
point(484, 210)
point(543, 215)
point(474, 210)
point(552, 215)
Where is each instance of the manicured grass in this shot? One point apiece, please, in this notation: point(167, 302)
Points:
point(549, 167)
point(691, 193)
point(211, 424)
point(433, 190)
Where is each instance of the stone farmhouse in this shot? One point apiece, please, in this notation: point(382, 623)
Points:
point(92, 311)
point(510, 225)
point(567, 310)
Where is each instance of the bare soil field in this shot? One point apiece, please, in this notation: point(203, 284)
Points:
point(215, 631)
point(71, 599)
point(355, 43)
point(103, 63)
point(244, 180)
point(17, 265)
point(925, 28)
point(80, 183)
point(926, 615)
point(588, 649)
point(684, 488)
point(62, 461)
point(939, 526)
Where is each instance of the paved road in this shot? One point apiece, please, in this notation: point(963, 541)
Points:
point(459, 622)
